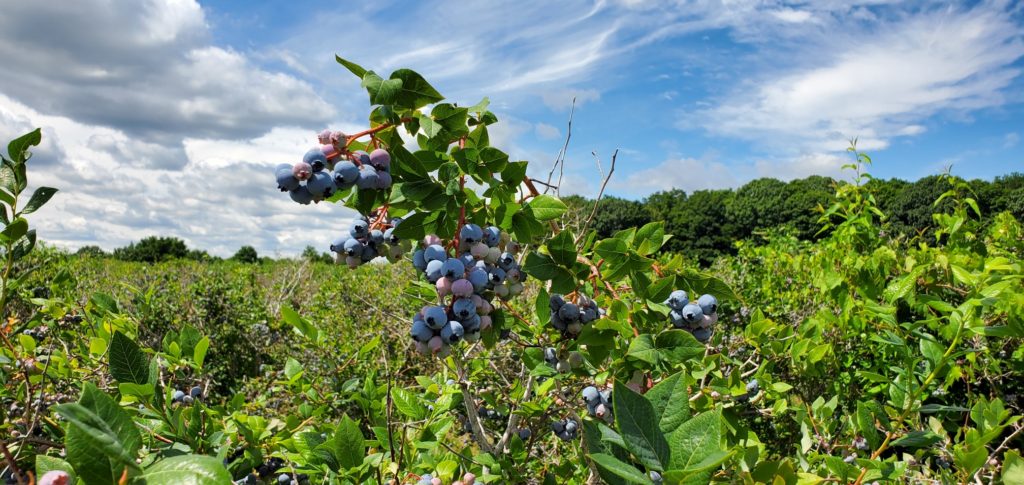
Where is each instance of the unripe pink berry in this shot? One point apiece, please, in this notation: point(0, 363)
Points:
point(444, 286)
point(329, 151)
point(709, 320)
point(302, 170)
point(54, 477)
point(462, 288)
point(431, 239)
point(435, 344)
point(435, 481)
point(485, 322)
point(469, 478)
point(324, 137)
point(422, 348)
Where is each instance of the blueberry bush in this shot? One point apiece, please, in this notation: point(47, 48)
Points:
point(509, 343)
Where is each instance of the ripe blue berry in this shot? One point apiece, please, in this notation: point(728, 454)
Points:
point(315, 158)
point(353, 247)
point(383, 179)
point(435, 317)
point(492, 236)
point(285, 180)
point(471, 233)
point(453, 268)
point(368, 178)
point(692, 314)
point(362, 157)
point(321, 185)
point(421, 332)
point(346, 174)
point(708, 304)
point(435, 252)
point(463, 308)
point(452, 332)
point(677, 300)
point(301, 195)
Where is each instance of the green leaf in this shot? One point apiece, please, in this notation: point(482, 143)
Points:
point(429, 127)
point(186, 470)
point(348, 445)
point(642, 348)
point(678, 346)
point(546, 207)
point(671, 402)
point(619, 468)
point(918, 439)
point(415, 226)
point(614, 250)
point(696, 440)
point(382, 91)
point(98, 424)
point(15, 230)
point(17, 148)
point(127, 361)
point(563, 249)
point(300, 324)
point(50, 463)
point(199, 353)
point(700, 283)
point(41, 196)
point(407, 403)
point(542, 267)
point(351, 66)
point(1013, 467)
point(638, 425)
point(415, 92)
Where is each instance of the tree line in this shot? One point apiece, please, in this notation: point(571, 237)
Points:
point(707, 223)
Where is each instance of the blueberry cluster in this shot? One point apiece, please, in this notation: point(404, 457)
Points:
point(566, 429)
point(361, 244)
point(599, 403)
point(695, 317)
point(327, 168)
point(569, 318)
point(563, 361)
point(485, 267)
point(752, 389)
point(490, 414)
point(179, 396)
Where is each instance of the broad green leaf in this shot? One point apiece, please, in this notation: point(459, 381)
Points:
point(696, 440)
point(40, 197)
point(101, 439)
point(542, 267)
point(620, 469)
point(546, 207)
point(614, 250)
point(407, 403)
point(638, 425)
point(918, 439)
point(563, 249)
point(677, 346)
point(382, 91)
point(671, 402)
point(186, 470)
point(1013, 467)
point(348, 445)
point(18, 147)
point(127, 361)
point(17, 228)
point(413, 92)
point(642, 348)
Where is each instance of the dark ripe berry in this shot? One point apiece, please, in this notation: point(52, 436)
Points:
point(708, 304)
point(677, 300)
point(286, 181)
point(301, 195)
point(315, 158)
point(346, 174)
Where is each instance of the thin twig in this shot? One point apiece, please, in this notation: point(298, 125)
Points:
point(600, 193)
point(560, 158)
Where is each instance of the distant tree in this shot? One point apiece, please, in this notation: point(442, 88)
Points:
point(91, 251)
point(758, 205)
point(699, 224)
point(246, 254)
point(199, 255)
point(803, 198)
point(310, 254)
point(153, 249)
point(1009, 195)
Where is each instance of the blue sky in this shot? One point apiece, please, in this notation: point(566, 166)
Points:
point(165, 116)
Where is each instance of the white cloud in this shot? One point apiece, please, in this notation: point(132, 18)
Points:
point(562, 99)
point(792, 16)
point(876, 87)
point(546, 131)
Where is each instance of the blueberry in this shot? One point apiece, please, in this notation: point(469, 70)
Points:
point(338, 245)
point(753, 387)
point(376, 236)
point(383, 179)
point(492, 235)
point(420, 331)
point(196, 392)
point(435, 252)
point(390, 237)
point(362, 157)
point(676, 318)
point(463, 308)
point(497, 276)
point(321, 185)
point(315, 158)
point(708, 304)
point(368, 178)
point(353, 247)
point(569, 313)
point(692, 313)
point(178, 395)
point(471, 233)
point(433, 271)
point(301, 195)
point(677, 300)
point(359, 228)
point(284, 478)
point(453, 268)
point(452, 332)
point(380, 159)
point(655, 476)
point(506, 261)
point(555, 302)
point(524, 434)
point(591, 394)
point(702, 334)
point(418, 260)
point(286, 181)
point(435, 317)
point(346, 174)
point(478, 278)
